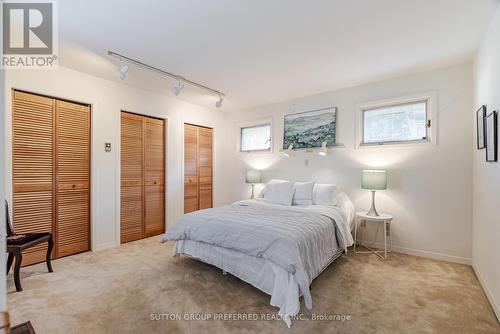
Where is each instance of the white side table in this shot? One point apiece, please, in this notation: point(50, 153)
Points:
point(384, 218)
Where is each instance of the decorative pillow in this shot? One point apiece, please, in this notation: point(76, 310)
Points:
point(279, 192)
point(325, 194)
point(303, 193)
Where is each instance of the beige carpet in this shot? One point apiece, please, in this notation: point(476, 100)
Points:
point(117, 290)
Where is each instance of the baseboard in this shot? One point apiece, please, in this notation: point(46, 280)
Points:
point(104, 246)
point(423, 253)
point(487, 292)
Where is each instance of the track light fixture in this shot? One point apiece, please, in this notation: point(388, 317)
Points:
point(181, 81)
point(289, 151)
point(218, 104)
point(323, 150)
point(122, 71)
point(178, 88)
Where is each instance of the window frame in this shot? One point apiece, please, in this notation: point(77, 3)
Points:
point(256, 124)
point(430, 116)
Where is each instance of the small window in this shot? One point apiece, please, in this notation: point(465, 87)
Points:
point(256, 138)
point(406, 122)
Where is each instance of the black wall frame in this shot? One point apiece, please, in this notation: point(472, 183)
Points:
point(481, 127)
point(491, 139)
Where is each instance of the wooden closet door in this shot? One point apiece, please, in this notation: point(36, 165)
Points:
point(154, 177)
point(72, 233)
point(190, 168)
point(132, 196)
point(33, 168)
point(204, 168)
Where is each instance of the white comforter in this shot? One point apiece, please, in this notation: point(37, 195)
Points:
point(299, 240)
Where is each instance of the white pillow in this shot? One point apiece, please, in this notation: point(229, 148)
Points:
point(272, 181)
point(325, 194)
point(303, 193)
point(279, 193)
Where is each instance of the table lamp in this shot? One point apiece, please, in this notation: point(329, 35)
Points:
point(253, 177)
point(374, 180)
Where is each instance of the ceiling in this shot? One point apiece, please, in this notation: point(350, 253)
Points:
point(261, 52)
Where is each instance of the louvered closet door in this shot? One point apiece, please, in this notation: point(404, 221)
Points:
point(190, 168)
point(132, 196)
point(73, 178)
point(33, 168)
point(204, 168)
point(154, 176)
point(142, 177)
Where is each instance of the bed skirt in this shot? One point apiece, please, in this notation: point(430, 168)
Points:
point(262, 274)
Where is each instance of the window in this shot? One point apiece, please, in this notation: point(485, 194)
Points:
point(256, 138)
point(406, 122)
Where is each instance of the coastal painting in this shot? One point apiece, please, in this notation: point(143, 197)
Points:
point(310, 129)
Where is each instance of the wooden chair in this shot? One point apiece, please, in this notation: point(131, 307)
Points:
point(16, 243)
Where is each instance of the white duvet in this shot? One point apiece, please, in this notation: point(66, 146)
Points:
point(297, 243)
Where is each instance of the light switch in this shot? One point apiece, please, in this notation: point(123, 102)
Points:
point(306, 162)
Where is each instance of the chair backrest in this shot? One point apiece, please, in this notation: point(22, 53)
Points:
point(10, 229)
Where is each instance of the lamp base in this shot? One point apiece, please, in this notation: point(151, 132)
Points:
point(253, 189)
point(373, 212)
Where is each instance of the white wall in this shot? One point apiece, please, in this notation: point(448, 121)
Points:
point(430, 192)
point(108, 98)
point(486, 226)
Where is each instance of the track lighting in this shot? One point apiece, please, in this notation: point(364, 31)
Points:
point(178, 88)
point(322, 152)
point(289, 151)
point(181, 81)
point(218, 104)
point(122, 71)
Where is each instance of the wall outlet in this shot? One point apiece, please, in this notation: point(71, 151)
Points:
point(306, 162)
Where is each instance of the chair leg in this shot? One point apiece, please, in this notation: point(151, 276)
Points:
point(10, 259)
point(17, 268)
point(49, 253)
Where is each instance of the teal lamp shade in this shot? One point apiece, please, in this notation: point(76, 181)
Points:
point(254, 176)
point(374, 180)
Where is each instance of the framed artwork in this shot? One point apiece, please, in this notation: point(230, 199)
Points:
point(310, 129)
point(491, 136)
point(480, 116)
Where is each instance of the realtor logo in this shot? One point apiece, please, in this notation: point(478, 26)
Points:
point(28, 34)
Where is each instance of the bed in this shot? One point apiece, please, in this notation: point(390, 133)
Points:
point(277, 248)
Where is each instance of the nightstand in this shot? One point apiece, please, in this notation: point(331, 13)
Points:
point(383, 218)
